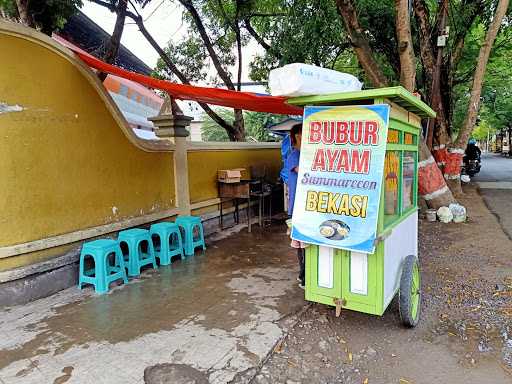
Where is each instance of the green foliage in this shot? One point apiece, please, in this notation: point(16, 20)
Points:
point(312, 32)
point(9, 8)
point(496, 102)
point(189, 55)
point(255, 123)
point(49, 15)
point(483, 131)
point(302, 31)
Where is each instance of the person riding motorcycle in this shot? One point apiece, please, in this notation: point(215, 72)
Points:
point(472, 151)
point(471, 160)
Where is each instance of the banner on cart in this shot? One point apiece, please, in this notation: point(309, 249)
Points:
point(340, 176)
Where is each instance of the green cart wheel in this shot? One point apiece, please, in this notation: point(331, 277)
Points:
point(410, 292)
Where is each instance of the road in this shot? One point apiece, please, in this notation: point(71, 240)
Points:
point(495, 182)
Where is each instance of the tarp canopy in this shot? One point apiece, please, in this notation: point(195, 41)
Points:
point(216, 96)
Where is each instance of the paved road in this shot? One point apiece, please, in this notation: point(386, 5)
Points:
point(495, 167)
point(495, 182)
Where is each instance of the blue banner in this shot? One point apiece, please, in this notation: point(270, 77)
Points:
point(340, 176)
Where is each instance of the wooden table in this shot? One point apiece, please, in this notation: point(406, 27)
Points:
point(234, 192)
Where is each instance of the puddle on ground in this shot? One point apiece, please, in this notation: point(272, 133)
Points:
point(224, 292)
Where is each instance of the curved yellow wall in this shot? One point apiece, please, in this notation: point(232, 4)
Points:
point(65, 164)
point(69, 163)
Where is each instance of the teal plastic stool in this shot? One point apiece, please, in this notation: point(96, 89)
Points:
point(135, 239)
point(171, 244)
point(103, 272)
point(188, 224)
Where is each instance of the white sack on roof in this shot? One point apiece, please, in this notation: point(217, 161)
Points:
point(303, 79)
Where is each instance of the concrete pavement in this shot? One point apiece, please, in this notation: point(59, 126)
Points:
point(218, 313)
point(495, 183)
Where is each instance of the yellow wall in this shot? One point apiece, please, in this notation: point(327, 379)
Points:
point(203, 166)
point(64, 161)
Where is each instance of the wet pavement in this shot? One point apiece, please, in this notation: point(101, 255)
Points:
point(220, 313)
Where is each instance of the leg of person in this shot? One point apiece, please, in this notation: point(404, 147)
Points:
point(302, 269)
point(299, 261)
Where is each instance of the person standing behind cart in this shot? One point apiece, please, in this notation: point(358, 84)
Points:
point(292, 166)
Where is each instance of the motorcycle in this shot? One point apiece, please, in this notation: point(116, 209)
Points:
point(470, 167)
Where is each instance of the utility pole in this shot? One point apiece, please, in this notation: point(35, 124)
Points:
point(442, 35)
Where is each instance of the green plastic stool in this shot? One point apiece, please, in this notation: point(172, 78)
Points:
point(104, 272)
point(134, 239)
point(187, 224)
point(171, 244)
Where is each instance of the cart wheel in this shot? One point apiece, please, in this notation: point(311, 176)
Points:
point(410, 292)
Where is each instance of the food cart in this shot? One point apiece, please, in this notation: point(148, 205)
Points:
point(356, 200)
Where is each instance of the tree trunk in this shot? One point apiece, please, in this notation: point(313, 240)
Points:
point(478, 78)
point(25, 16)
point(361, 46)
point(454, 160)
point(426, 48)
point(239, 51)
point(431, 182)
point(115, 40)
point(405, 48)
point(435, 99)
point(238, 133)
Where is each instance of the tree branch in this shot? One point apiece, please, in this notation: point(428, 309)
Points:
point(208, 44)
point(360, 43)
point(426, 48)
point(115, 40)
point(260, 14)
point(405, 48)
point(483, 57)
point(25, 16)
point(165, 58)
point(256, 36)
point(238, 35)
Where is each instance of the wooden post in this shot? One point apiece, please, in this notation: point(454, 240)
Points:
point(171, 123)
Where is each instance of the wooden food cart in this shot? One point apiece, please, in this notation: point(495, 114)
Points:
point(339, 275)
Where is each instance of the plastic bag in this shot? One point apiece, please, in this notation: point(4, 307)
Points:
point(445, 214)
point(303, 79)
point(458, 212)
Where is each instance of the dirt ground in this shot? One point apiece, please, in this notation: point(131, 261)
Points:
point(465, 333)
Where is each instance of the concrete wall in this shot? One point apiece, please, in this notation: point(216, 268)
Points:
point(71, 167)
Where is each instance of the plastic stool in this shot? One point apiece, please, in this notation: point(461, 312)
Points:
point(187, 224)
point(134, 238)
point(104, 272)
point(169, 246)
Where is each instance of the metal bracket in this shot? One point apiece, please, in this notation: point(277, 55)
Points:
point(339, 304)
point(382, 237)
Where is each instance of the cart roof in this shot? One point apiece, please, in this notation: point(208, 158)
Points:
point(398, 95)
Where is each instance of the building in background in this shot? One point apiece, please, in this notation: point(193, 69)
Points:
point(135, 101)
